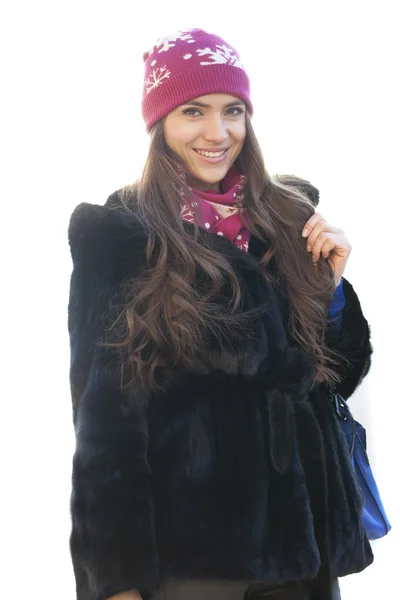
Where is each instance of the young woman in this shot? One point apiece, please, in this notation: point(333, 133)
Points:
point(210, 324)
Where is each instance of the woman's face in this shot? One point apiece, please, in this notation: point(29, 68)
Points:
point(208, 134)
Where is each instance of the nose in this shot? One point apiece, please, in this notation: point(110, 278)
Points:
point(215, 129)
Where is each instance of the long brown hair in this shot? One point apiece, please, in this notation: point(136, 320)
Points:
point(166, 316)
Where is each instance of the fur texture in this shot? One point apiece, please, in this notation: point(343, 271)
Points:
point(237, 473)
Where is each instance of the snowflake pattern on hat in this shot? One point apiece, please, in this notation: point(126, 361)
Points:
point(169, 41)
point(156, 78)
point(221, 55)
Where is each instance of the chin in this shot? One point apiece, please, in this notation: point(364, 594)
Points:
point(213, 176)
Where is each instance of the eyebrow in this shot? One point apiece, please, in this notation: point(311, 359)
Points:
point(202, 105)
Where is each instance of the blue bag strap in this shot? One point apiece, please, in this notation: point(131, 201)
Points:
point(349, 425)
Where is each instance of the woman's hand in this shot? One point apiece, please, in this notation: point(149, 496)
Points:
point(131, 595)
point(329, 241)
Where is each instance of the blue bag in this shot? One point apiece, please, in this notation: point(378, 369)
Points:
point(374, 517)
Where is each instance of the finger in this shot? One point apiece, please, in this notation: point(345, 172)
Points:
point(324, 239)
point(320, 228)
point(313, 235)
point(310, 224)
point(327, 247)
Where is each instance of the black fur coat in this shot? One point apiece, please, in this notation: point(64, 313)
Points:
point(235, 474)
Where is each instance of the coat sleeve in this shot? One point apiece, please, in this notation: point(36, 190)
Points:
point(112, 541)
point(351, 342)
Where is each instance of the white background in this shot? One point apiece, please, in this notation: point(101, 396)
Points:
point(324, 86)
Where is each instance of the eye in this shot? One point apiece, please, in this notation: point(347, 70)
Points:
point(192, 112)
point(235, 111)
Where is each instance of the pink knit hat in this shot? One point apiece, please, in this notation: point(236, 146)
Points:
point(186, 65)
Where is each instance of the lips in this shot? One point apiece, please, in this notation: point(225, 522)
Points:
point(211, 157)
point(211, 153)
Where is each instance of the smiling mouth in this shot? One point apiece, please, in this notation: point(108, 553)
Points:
point(211, 154)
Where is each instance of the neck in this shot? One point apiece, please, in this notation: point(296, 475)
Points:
point(202, 186)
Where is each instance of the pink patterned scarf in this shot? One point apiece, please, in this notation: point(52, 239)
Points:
point(217, 211)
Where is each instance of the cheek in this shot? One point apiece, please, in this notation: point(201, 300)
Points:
point(173, 134)
point(239, 133)
point(180, 133)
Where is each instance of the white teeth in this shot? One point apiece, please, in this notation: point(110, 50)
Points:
point(211, 154)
